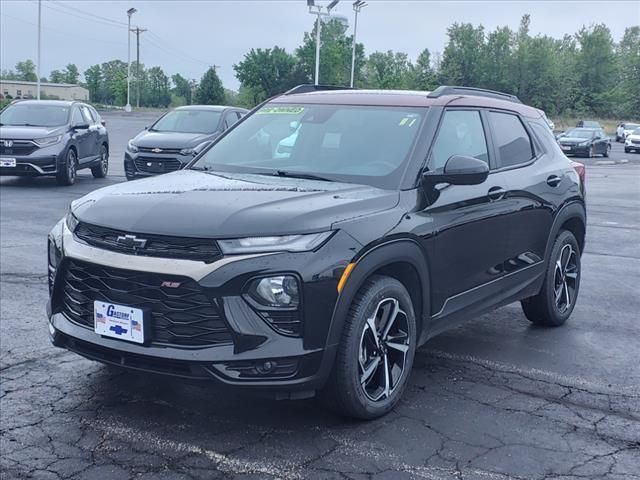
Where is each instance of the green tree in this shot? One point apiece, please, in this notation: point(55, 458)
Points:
point(390, 70)
point(113, 89)
point(335, 55)
point(269, 72)
point(497, 60)
point(158, 88)
point(71, 74)
point(210, 91)
point(93, 79)
point(595, 68)
point(56, 76)
point(521, 71)
point(462, 56)
point(182, 88)
point(629, 62)
point(423, 73)
point(26, 71)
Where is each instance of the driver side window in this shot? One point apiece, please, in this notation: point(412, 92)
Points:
point(461, 133)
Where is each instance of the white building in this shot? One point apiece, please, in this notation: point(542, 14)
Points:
point(51, 91)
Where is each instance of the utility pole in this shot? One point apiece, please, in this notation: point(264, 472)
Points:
point(39, 29)
point(138, 31)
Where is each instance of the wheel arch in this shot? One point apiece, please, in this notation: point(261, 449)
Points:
point(402, 259)
point(571, 217)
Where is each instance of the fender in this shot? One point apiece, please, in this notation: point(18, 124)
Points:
point(391, 251)
point(574, 209)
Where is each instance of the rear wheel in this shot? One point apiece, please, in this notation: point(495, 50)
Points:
point(607, 151)
point(101, 170)
point(67, 170)
point(376, 353)
point(557, 298)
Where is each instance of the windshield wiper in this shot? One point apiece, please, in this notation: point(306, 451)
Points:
point(199, 168)
point(306, 176)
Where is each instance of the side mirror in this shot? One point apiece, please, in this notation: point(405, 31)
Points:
point(146, 127)
point(81, 126)
point(103, 123)
point(459, 170)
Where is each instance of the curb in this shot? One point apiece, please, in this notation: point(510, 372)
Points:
point(612, 162)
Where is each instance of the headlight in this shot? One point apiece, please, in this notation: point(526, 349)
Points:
point(195, 150)
point(71, 221)
point(286, 243)
point(46, 141)
point(281, 291)
point(131, 147)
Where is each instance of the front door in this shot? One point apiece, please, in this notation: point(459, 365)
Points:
point(469, 221)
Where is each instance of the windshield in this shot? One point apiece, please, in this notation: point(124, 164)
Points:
point(636, 131)
point(359, 144)
point(35, 115)
point(188, 121)
point(580, 133)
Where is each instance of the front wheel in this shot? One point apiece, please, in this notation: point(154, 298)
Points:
point(375, 356)
point(101, 170)
point(67, 170)
point(557, 298)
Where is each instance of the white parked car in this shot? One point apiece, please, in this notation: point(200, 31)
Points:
point(632, 141)
point(627, 128)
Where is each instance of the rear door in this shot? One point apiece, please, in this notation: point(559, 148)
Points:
point(535, 182)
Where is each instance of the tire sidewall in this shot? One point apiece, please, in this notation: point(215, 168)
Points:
point(381, 288)
point(564, 238)
point(104, 161)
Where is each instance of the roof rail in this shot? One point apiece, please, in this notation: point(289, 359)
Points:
point(478, 92)
point(306, 88)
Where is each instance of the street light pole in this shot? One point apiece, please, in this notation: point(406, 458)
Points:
point(38, 59)
point(130, 12)
point(318, 11)
point(357, 6)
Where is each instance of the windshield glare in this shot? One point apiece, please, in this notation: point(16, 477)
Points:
point(359, 144)
point(580, 133)
point(188, 121)
point(631, 126)
point(35, 115)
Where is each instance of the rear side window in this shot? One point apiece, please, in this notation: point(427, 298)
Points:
point(512, 140)
point(461, 133)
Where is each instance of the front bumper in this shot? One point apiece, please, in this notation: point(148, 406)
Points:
point(31, 166)
point(258, 355)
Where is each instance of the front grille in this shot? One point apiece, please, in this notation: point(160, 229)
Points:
point(179, 316)
point(171, 151)
point(157, 165)
point(19, 147)
point(635, 142)
point(183, 248)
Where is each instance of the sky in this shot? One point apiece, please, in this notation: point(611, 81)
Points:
point(189, 36)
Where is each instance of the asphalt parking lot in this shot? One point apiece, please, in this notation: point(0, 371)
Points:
point(495, 399)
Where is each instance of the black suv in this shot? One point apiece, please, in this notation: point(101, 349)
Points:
point(52, 137)
point(392, 217)
point(176, 137)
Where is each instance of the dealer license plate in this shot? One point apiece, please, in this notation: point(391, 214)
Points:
point(7, 162)
point(118, 321)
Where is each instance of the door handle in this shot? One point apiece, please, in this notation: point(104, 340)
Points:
point(496, 193)
point(554, 180)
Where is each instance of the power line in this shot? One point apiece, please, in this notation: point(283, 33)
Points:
point(89, 14)
point(56, 8)
point(181, 53)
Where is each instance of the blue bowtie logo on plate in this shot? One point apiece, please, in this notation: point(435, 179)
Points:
point(117, 329)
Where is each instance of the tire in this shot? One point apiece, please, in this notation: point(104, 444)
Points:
point(101, 170)
point(590, 154)
point(68, 169)
point(366, 351)
point(607, 151)
point(627, 150)
point(557, 298)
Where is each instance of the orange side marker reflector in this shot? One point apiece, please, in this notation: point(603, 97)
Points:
point(345, 275)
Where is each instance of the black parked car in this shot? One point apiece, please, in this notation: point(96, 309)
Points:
point(586, 142)
point(52, 137)
point(176, 137)
point(393, 217)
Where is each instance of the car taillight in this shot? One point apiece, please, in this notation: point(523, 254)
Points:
point(580, 170)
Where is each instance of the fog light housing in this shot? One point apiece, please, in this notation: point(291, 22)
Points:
point(280, 291)
point(54, 256)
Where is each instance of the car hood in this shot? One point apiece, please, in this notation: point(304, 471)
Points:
point(150, 139)
point(198, 204)
point(633, 137)
point(28, 133)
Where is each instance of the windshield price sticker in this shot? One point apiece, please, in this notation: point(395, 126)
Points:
point(280, 111)
point(408, 120)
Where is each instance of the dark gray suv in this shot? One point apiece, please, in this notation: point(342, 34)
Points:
point(52, 137)
point(176, 137)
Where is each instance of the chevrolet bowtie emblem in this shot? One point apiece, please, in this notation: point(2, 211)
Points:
point(156, 150)
point(131, 241)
